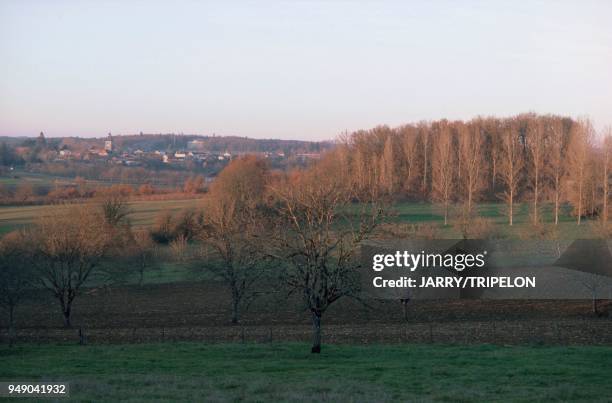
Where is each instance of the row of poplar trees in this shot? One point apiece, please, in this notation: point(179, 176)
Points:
point(546, 161)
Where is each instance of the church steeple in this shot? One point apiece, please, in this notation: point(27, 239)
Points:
point(108, 143)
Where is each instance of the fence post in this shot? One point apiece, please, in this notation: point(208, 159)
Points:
point(82, 337)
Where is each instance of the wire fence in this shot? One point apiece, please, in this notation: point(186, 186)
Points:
point(574, 332)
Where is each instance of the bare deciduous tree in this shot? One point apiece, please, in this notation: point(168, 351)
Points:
point(16, 276)
point(142, 252)
point(536, 143)
point(234, 227)
point(471, 143)
point(442, 169)
point(425, 143)
point(607, 160)
point(115, 208)
point(319, 232)
point(578, 154)
point(68, 246)
point(409, 149)
point(510, 167)
point(557, 164)
point(388, 163)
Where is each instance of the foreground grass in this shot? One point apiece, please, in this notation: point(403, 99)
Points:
point(287, 372)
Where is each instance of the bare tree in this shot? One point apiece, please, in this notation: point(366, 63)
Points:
point(557, 163)
point(234, 228)
point(388, 163)
point(409, 149)
point(115, 208)
point(68, 247)
point(442, 169)
point(319, 232)
point(471, 147)
point(16, 276)
point(536, 143)
point(607, 160)
point(494, 150)
point(142, 252)
point(510, 167)
point(425, 141)
point(578, 154)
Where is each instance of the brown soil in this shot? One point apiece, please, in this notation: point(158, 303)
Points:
point(200, 311)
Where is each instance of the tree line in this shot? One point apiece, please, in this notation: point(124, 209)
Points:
point(541, 160)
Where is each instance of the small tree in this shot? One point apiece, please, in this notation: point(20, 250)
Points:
point(16, 276)
point(322, 223)
point(142, 253)
point(115, 208)
point(68, 246)
point(194, 185)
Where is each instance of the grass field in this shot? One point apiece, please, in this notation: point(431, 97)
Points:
point(19, 177)
point(143, 212)
point(287, 372)
point(427, 213)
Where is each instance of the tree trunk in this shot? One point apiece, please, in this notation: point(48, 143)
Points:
point(579, 201)
point(557, 206)
point(446, 213)
point(535, 203)
point(425, 144)
point(605, 191)
point(316, 332)
point(11, 329)
point(511, 205)
point(469, 207)
point(67, 311)
point(494, 175)
point(235, 310)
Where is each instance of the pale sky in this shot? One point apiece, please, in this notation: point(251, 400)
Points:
point(296, 69)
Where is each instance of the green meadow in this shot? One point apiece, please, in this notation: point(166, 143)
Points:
point(288, 372)
point(405, 213)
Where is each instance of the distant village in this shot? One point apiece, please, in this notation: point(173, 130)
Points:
point(195, 152)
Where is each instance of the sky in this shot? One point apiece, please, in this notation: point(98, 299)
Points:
point(296, 69)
